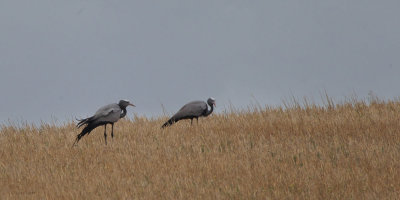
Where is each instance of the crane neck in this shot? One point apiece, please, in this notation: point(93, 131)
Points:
point(209, 111)
point(123, 114)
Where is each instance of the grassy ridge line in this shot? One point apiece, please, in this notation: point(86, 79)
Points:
point(341, 151)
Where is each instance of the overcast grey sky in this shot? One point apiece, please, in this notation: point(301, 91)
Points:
point(65, 59)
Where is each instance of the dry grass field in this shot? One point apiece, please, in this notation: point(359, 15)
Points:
point(349, 150)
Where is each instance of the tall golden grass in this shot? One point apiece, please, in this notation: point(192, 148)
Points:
point(349, 150)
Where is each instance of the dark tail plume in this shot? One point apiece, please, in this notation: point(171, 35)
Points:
point(82, 122)
point(85, 131)
point(168, 123)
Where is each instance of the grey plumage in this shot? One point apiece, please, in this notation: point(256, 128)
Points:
point(191, 110)
point(108, 114)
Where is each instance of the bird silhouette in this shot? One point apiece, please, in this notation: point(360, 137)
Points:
point(108, 114)
point(191, 110)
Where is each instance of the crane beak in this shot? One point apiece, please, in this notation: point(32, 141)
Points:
point(215, 105)
point(132, 105)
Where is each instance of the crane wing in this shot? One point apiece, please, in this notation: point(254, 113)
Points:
point(109, 113)
point(192, 109)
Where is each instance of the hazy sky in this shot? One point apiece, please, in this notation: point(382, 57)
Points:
point(65, 59)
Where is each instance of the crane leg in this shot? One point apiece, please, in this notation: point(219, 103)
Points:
point(105, 133)
point(197, 120)
point(191, 121)
point(112, 130)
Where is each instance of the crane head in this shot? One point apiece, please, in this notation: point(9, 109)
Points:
point(125, 103)
point(211, 101)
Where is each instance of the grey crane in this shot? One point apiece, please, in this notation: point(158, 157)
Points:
point(108, 114)
point(191, 110)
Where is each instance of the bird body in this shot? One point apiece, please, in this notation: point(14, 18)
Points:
point(191, 110)
point(108, 114)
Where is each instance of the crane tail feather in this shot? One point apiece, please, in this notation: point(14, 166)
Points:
point(168, 123)
point(85, 131)
point(82, 122)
